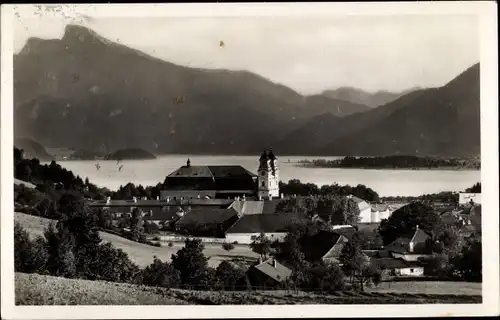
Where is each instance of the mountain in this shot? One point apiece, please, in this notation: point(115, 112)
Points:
point(369, 99)
point(32, 149)
point(435, 122)
point(86, 92)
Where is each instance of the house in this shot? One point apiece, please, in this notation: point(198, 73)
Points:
point(268, 274)
point(207, 221)
point(365, 210)
point(392, 267)
point(224, 181)
point(410, 248)
point(162, 216)
point(465, 198)
point(324, 245)
point(379, 212)
point(273, 225)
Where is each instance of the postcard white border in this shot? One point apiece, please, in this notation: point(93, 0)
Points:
point(486, 11)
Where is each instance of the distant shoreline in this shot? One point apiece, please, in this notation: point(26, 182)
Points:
point(312, 166)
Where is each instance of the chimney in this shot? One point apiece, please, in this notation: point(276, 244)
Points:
point(244, 198)
point(157, 198)
point(260, 260)
point(274, 263)
point(168, 199)
point(281, 196)
point(135, 199)
point(108, 200)
point(260, 197)
point(411, 246)
point(417, 226)
point(198, 196)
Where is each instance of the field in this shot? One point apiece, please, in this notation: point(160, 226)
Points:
point(142, 254)
point(34, 289)
point(429, 287)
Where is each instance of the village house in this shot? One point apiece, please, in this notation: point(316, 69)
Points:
point(379, 212)
point(273, 225)
point(399, 268)
point(411, 248)
point(365, 210)
point(268, 274)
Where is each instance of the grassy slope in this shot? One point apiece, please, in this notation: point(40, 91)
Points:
point(34, 289)
point(142, 254)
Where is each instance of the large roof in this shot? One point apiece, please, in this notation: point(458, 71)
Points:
point(267, 222)
point(211, 172)
point(205, 215)
point(255, 206)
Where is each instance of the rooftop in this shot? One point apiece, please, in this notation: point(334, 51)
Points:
point(274, 269)
point(266, 222)
point(205, 215)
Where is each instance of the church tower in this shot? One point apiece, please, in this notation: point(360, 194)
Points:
point(268, 176)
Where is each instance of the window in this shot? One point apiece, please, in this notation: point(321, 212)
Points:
point(262, 172)
point(411, 270)
point(263, 184)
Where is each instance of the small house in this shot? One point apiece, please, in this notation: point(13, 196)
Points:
point(411, 248)
point(398, 267)
point(365, 210)
point(268, 274)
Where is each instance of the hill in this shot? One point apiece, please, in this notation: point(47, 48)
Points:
point(139, 253)
point(370, 99)
point(86, 92)
point(429, 122)
point(32, 149)
point(132, 153)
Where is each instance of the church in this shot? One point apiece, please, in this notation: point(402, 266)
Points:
point(224, 181)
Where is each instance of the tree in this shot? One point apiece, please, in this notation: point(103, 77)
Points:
point(261, 245)
point(404, 221)
point(136, 225)
point(468, 266)
point(191, 262)
point(161, 274)
point(227, 246)
point(476, 188)
point(357, 265)
point(29, 256)
point(228, 276)
point(318, 276)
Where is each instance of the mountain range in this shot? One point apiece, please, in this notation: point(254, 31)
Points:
point(370, 99)
point(85, 92)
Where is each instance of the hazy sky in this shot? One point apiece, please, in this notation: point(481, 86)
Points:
point(309, 55)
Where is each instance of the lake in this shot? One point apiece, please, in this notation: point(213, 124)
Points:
point(384, 182)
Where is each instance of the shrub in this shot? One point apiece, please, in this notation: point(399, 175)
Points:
point(29, 256)
point(156, 238)
point(170, 244)
point(227, 246)
point(235, 242)
point(161, 274)
point(156, 244)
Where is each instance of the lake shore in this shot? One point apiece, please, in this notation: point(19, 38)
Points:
point(313, 166)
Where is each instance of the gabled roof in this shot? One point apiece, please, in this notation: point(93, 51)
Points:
point(205, 215)
point(402, 244)
point(255, 206)
point(391, 263)
point(420, 236)
point(266, 222)
point(279, 272)
point(216, 172)
point(324, 244)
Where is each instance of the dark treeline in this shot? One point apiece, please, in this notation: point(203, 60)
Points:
point(296, 187)
point(393, 162)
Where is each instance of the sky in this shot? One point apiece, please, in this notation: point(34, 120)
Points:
point(309, 55)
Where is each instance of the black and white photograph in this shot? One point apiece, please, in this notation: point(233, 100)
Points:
point(191, 155)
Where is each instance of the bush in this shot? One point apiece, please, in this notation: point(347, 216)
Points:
point(160, 274)
point(228, 246)
point(170, 244)
point(29, 256)
point(156, 244)
point(235, 242)
point(156, 238)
